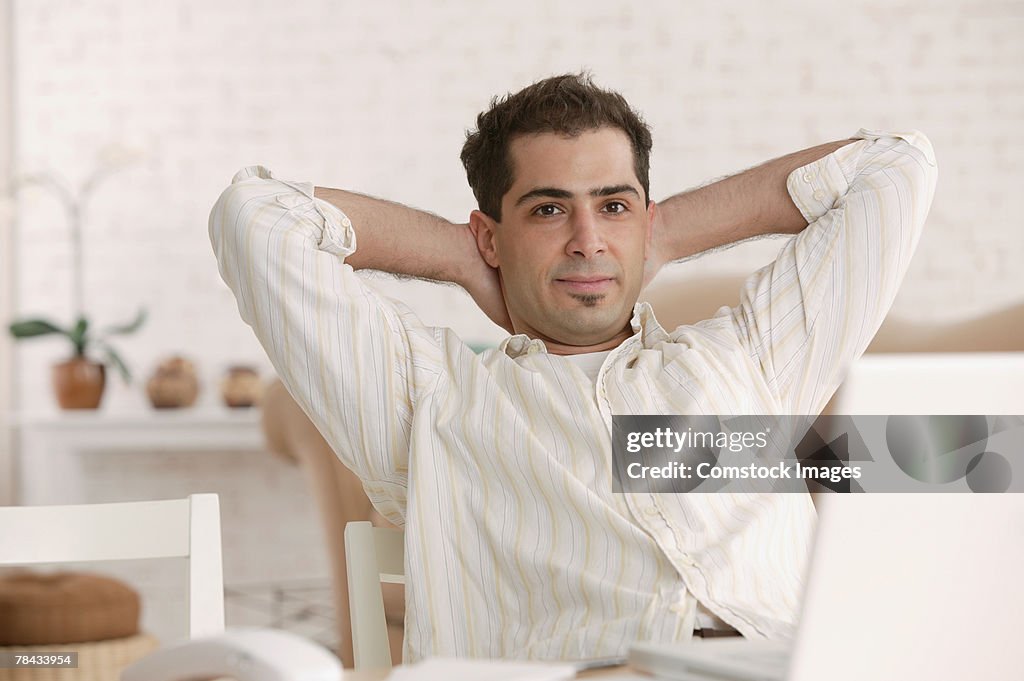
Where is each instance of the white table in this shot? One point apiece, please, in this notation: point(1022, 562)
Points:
point(623, 673)
point(49, 444)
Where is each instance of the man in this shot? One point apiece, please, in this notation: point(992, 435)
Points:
point(498, 465)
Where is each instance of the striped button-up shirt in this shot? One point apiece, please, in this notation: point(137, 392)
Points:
point(498, 465)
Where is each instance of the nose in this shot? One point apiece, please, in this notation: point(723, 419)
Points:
point(587, 239)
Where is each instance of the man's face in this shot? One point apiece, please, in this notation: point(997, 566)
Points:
point(573, 237)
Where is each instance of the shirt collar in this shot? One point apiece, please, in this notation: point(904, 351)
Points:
point(643, 322)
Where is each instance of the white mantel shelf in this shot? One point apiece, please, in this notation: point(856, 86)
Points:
point(50, 443)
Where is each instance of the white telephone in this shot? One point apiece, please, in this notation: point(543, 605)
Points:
point(243, 653)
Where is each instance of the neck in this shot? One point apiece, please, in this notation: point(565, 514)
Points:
point(558, 348)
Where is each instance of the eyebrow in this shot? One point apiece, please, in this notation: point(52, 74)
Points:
point(556, 193)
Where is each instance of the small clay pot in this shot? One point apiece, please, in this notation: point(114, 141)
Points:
point(241, 387)
point(173, 385)
point(78, 383)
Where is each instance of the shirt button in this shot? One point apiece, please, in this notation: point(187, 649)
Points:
point(346, 222)
point(808, 177)
point(651, 510)
point(819, 195)
point(678, 608)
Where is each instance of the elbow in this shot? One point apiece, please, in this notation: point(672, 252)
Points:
point(931, 166)
point(924, 156)
point(229, 209)
point(226, 227)
point(917, 171)
point(223, 216)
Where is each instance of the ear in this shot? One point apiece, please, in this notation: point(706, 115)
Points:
point(483, 228)
point(652, 214)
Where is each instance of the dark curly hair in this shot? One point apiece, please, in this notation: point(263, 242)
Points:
point(569, 105)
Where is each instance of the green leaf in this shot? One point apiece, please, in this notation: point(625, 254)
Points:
point(115, 359)
point(27, 328)
point(77, 335)
point(140, 318)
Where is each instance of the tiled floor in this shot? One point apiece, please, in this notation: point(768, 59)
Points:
point(303, 607)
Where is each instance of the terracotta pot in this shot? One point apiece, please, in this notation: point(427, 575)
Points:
point(78, 383)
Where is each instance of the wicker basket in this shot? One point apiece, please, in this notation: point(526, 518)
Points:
point(97, 661)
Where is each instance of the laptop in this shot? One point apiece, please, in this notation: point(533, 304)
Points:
point(901, 586)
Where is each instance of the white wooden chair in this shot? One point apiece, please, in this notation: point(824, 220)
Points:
point(372, 555)
point(186, 528)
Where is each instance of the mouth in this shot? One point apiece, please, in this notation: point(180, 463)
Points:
point(585, 284)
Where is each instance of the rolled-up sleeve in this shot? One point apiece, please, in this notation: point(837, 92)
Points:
point(353, 360)
point(808, 315)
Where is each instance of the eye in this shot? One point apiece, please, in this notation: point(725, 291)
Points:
point(547, 210)
point(615, 207)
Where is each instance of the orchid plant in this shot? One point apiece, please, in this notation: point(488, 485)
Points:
point(80, 333)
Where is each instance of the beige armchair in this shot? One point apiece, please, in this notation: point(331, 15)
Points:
point(340, 499)
point(340, 496)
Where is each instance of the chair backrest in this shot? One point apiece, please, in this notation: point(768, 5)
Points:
point(372, 555)
point(177, 528)
point(934, 383)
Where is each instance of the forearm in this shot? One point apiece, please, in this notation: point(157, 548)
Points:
point(394, 238)
point(749, 204)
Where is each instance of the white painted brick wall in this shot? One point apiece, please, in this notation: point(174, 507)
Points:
point(376, 97)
